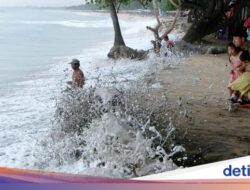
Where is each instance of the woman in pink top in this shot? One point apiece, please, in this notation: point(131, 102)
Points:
point(234, 58)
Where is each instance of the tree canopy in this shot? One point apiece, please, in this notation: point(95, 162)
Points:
point(166, 5)
point(209, 16)
point(106, 3)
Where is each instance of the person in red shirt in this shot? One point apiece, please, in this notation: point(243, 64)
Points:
point(169, 43)
point(247, 25)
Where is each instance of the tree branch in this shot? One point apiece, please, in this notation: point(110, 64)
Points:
point(174, 4)
point(155, 30)
point(173, 25)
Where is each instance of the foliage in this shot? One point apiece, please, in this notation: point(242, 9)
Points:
point(210, 16)
point(106, 3)
point(166, 5)
point(118, 3)
point(213, 9)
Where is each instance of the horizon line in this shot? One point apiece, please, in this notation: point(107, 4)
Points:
point(34, 6)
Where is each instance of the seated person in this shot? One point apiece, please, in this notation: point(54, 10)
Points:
point(240, 40)
point(242, 84)
point(169, 43)
point(234, 59)
point(247, 25)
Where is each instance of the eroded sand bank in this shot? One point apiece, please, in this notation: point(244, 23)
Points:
point(210, 132)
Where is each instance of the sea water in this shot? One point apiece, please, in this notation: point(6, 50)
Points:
point(36, 45)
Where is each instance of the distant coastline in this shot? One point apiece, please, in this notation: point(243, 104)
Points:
point(134, 9)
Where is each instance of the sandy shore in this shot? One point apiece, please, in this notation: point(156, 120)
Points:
point(211, 132)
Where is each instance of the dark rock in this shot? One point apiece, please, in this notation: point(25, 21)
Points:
point(118, 52)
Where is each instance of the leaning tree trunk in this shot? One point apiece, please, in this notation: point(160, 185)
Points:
point(119, 49)
point(200, 29)
point(118, 34)
point(207, 21)
point(211, 19)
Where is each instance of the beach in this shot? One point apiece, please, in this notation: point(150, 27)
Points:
point(36, 51)
point(210, 133)
point(33, 99)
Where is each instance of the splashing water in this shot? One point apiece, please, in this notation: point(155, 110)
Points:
point(115, 127)
point(109, 132)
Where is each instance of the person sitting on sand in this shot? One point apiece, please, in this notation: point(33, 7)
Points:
point(78, 79)
point(165, 37)
point(247, 26)
point(247, 23)
point(169, 43)
point(239, 40)
point(234, 58)
point(242, 84)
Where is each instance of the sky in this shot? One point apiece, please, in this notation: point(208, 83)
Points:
point(47, 3)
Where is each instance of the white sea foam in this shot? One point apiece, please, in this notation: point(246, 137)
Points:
point(71, 23)
point(26, 114)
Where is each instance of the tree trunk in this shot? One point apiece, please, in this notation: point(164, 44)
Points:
point(157, 42)
point(199, 30)
point(119, 49)
point(118, 35)
point(118, 7)
point(213, 19)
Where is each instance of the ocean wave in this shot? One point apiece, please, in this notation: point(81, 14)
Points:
point(128, 145)
point(71, 23)
point(34, 107)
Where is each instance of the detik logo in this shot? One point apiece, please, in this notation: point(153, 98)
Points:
point(231, 171)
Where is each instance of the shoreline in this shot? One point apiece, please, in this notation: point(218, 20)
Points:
point(208, 130)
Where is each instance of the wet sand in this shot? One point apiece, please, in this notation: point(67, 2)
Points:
point(212, 133)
